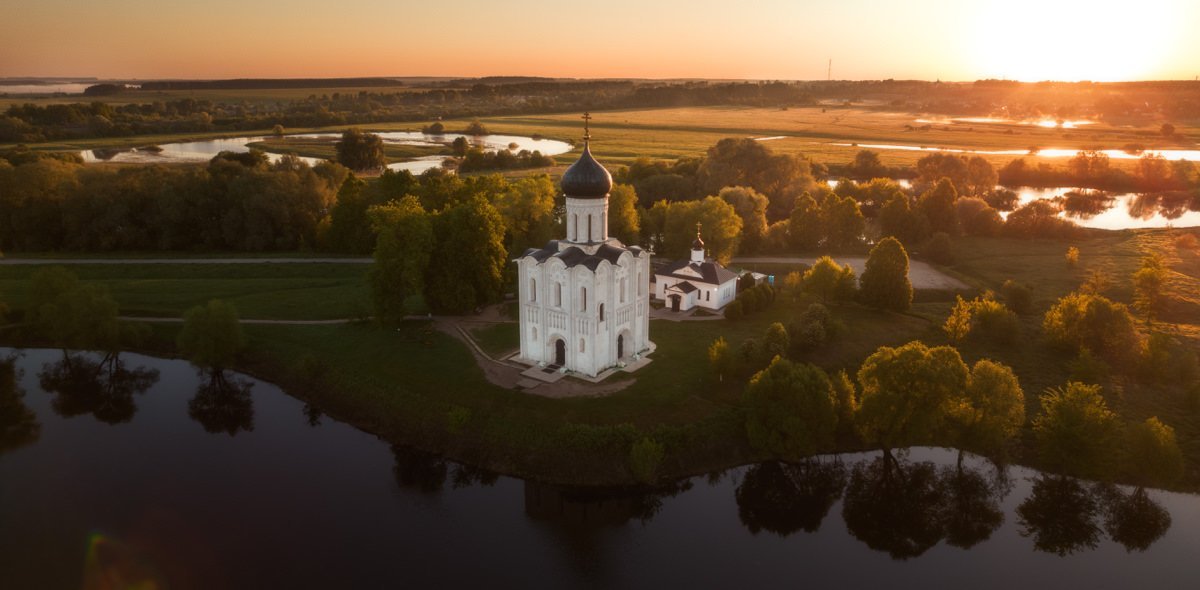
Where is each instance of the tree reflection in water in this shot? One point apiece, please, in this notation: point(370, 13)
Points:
point(895, 508)
point(1134, 520)
point(104, 388)
point(19, 426)
point(907, 508)
point(1060, 515)
point(222, 404)
point(973, 509)
point(786, 498)
point(427, 473)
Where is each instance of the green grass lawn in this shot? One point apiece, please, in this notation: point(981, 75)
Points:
point(259, 291)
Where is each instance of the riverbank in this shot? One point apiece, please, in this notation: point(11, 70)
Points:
point(421, 387)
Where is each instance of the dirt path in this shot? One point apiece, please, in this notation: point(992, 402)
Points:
point(920, 274)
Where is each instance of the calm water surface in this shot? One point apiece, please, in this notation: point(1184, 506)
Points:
point(202, 151)
point(159, 473)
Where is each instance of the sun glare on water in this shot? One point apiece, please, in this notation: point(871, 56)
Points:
point(1102, 41)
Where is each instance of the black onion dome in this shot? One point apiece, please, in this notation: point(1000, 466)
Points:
point(697, 244)
point(586, 178)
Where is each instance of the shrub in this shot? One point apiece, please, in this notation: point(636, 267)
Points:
point(457, 418)
point(1166, 360)
point(1079, 320)
point(775, 341)
point(733, 311)
point(1072, 256)
point(645, 457)
point(1088, 368)
point(1152, 454)
point(939, 250)
point(982, 318)
point(814, 327)
point(1018, 296)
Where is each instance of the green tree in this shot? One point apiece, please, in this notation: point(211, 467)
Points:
point(212, 336)
point(1152, 455)
point(751, 207)
point(402, 254)
point(907, 394)
point(624, 223)
point(981, 177)
point(527, 208)
point(898, 220)
point(1149, 286)
point(73, 315)
point(775, 341)
point(843, 223)
point(790, 410)
point(720, 226)
point(884, 283)
point(992, 411)
point(804, 224)
point(460, 146)
point(937, 205)
point(469, 240)
point(822, 278)
point(358, 150)
point(1076, 433)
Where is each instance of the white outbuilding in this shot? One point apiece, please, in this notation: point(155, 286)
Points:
point(696, 282)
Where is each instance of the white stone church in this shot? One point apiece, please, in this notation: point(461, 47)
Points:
point(585, 300)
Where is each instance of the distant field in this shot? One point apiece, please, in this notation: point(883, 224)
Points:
point(622, 136)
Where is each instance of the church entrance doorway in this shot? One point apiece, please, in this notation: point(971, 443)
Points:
point(560, 352)
point(621, 346)
point(675, 302)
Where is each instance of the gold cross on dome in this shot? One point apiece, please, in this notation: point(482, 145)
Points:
point(697, 229)
point(587, 117)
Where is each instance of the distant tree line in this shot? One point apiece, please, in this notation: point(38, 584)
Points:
point(236, 202)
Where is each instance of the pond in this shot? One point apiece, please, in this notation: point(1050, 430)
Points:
point(202, 151)
point(1169, 154)
point(1120, 210)
point(150, 471)
point(1106, 210)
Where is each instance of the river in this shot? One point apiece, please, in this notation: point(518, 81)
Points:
point(202, 151)
point(157, 475)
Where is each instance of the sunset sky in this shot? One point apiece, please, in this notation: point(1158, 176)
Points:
point(756, 39)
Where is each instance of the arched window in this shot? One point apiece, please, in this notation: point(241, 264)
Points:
point(558, 294)
point(575, 227)
point(602, 312)
point(589, 227)
point(583, 299)
point(623, 289)
point(532, 289)
point(639, 282)
point(581, 345)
